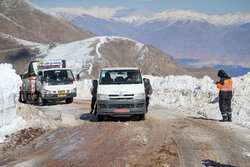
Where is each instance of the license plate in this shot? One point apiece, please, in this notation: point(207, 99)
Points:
point(121, 110)
point(62, 95)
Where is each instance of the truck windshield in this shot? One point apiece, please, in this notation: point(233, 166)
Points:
point(120, 77)
point(56, 77)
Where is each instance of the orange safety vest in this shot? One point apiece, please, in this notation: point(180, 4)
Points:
point(227, 86)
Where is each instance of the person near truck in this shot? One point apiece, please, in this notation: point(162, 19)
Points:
point(148, 91)
point(93, 91)
point(225, 84)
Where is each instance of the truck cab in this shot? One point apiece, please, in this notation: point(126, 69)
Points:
point(120, 93)
point(48, 80)
point(56, 84)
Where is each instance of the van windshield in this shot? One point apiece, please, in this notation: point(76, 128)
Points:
point(55, 77)
point(120, 77)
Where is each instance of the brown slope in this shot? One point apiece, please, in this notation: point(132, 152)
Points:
point(123, 53)
point(23, 20)
point(17, 54)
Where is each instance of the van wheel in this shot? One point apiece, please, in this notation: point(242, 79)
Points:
point(40, 100)
point(100, 118)
point(69, 100)
point(142, 117)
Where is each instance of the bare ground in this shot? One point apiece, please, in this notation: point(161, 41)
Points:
point(167, 137)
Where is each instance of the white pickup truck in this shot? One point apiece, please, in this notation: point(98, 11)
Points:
point(120, 93)
point(48, 80)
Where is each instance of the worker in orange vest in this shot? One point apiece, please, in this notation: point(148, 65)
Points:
point(225, 96)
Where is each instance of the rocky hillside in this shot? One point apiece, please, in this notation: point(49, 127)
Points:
point(19, 19)
point(23, 20)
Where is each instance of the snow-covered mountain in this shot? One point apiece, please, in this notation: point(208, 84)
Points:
point(209, 39)
point(142, 16)
point(87, 56)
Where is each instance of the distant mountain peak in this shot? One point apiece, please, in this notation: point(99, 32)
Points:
point(141, 16)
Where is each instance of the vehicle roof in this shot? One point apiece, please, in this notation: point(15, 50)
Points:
point(120, 68)
point(49, 69)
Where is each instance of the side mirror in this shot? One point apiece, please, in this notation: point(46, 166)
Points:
point(40, 78)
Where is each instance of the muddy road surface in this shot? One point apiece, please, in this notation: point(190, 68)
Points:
point(168, 138)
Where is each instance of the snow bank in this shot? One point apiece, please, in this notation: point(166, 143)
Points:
point(192, 95)
point(200, 96)
point(10, 83)
point(83, 89)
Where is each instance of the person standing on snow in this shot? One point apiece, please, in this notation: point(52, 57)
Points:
point(226, 86)
point(93, 91)
point(148, 91)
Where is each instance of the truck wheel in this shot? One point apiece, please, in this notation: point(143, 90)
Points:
point(41, 101)
point(21, 98)
point(69, 100)
point(100, 118)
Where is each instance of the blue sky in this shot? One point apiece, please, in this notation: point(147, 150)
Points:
point(202, 6)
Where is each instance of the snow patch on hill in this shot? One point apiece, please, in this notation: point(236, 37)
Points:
point(80, 55)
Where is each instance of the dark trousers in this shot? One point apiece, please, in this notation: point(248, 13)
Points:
point(147, 103)
point(225, 107)
point(93, 104)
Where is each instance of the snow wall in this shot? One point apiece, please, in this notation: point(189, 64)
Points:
point(192, 95)
point(9, 91)
point(10, 83)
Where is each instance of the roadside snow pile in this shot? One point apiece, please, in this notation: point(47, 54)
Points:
point(192, 95)
point(34, 117)
point(186, 93)
point(83, 89)
point(10, 83)
point(200, 96)
point(241, 99)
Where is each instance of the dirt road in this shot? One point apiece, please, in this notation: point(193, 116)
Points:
point(167, 137)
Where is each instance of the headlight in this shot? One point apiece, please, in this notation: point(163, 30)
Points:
point(139, 96)
point(47, 92)
point(102, 97)
point(73, 90)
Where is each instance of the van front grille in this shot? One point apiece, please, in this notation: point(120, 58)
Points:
point(121, 105)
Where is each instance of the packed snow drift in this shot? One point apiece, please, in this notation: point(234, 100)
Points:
point(10, 83)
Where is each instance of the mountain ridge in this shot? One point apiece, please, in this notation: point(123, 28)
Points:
point(190, 39)
point(142, 16)
point(26, 21)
